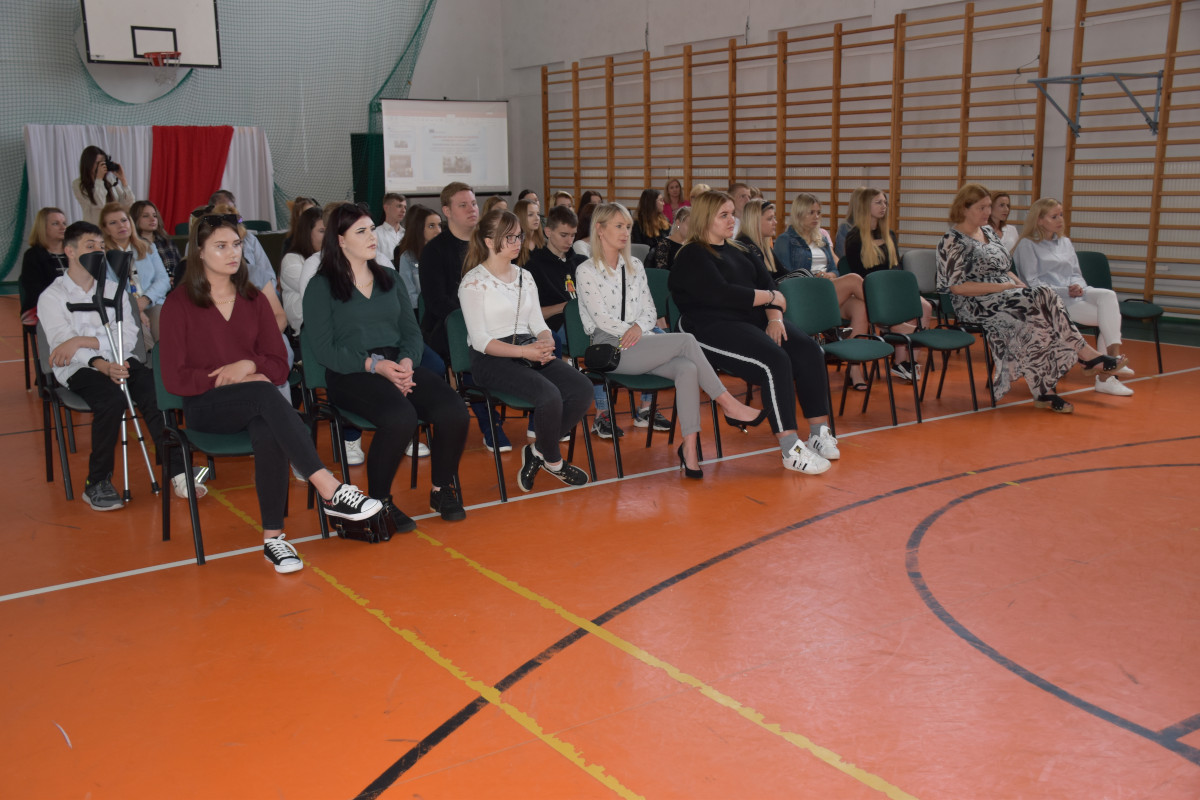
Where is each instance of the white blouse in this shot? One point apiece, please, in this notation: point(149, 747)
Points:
point(489, 306)
point(599, 292)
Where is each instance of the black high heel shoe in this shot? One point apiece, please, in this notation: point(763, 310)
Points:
point(694, 474)
point(745, 425)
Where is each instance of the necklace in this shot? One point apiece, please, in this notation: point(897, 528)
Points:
point(225, 302)
point(365, 283)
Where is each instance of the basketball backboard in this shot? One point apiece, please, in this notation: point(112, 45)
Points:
point(123, 31)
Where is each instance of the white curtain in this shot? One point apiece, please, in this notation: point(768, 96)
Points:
point(250, 175)
point(52, 163)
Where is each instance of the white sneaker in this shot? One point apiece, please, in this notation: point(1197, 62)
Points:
point(422, 450)
point(354, 452)
point(1111, 385)
point(824, 445)
point(1125, 372)
point(199, 475)
point(802, 459)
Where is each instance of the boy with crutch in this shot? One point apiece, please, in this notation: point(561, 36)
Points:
point(83, 358)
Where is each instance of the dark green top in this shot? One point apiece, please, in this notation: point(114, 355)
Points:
point(344, 334)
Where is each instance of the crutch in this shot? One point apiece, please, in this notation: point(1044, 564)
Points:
point(96, 264)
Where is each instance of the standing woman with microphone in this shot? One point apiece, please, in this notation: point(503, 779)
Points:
point(100, 182)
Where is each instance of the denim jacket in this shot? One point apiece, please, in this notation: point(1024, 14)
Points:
point(793, 253)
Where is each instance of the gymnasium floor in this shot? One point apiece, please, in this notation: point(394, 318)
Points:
point(999, 604)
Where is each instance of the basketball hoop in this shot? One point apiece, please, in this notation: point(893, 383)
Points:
point(165, 63)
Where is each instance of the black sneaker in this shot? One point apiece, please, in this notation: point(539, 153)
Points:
point(350, 503)
point(530, 463)
point(603, 427)
point(568, 473)
point(445, 501)
point(282, 554)
point(401, 522)
point(641, 419)
point(102, 496)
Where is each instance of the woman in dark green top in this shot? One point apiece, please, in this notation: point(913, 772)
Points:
point(361, 329)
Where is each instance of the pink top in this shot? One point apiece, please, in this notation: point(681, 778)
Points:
point(670, 212)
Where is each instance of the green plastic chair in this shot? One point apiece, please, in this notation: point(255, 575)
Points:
point(193, 441)
point(893, 299)
point(577, 343)
point(1096, 272)
point(812, 306)
point(460, 363)
point(657, 280)
point(259, 225)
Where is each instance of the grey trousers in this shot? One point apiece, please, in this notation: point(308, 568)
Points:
point(676, 356)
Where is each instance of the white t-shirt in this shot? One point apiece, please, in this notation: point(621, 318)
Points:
point(819, 262)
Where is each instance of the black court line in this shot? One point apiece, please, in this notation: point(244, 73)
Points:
point(1181, 729)
point(1166, 738)
point(419, 750)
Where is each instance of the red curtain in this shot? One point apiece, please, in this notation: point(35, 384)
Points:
point(186, 168)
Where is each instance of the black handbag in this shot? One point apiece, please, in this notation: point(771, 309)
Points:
point(522, 339)
point(606, 357)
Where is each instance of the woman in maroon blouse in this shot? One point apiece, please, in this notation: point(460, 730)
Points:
point(221, 350)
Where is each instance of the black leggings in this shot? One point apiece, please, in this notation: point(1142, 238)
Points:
point(746, 351)
point(395, 417)
point(277, 436)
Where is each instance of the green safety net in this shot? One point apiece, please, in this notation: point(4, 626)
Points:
point(308, 74)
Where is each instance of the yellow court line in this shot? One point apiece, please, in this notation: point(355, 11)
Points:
point(799, 740)
point(489, 693)
point(563, 748)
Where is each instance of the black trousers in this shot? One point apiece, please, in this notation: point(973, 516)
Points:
point(395, 416)
point(794, 371)
point(559, 393)
point(276, 434)
point(108, 404)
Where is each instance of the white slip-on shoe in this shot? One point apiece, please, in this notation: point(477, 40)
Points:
point(1111, 385)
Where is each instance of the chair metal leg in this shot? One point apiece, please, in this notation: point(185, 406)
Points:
point(1157, 343)
point(70, 426)
point(48, 449)
point(612, 417)
point(62, 453)
point(25, 348)
point(891, 394)
point(491, 420)
point(716, 428)
point(164, 495)
point(971, 379)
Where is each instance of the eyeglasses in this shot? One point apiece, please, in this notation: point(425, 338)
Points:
point(514, 238)
point(213, 220)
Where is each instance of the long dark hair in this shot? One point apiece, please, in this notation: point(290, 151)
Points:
point(652, 221)
point(494, 225)
point(87, 161)
point(301, 243)
point(195, 282)
point(334, 264)
point(136, 210)
point(413, 240)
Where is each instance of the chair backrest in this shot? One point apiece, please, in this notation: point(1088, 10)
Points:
point(812, 304)
point(166, 400)
point(312, 370)
point(892, 297)
point(923, 264)
point(42, 356)
point(260, 225)
point(577, 338)
point(460, 351)
point(1095, 268)
point(182, 229)
point(639, 251)
point(657, 279)
point(673, 313)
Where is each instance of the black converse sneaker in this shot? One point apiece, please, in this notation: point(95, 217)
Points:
point(348, 502)
point(568, 473)
point(401, 522)
point(282, 554)
point(445, 501)
point(530, 463)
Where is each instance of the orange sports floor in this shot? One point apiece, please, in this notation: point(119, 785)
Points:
point(1003, 604)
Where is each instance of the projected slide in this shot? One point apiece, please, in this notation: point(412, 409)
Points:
point(429, 143)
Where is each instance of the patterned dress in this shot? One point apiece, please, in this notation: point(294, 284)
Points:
point(1028, 330)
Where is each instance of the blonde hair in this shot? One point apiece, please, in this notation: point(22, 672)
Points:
point(491, 203)
point(534, 238)
point(752, 229)
point(600, 218)
point(800, 207)
point(699, 189)
point(873, 256)
point(852, 203)
point(37, 234)
point(140, 246)
point(704, 210)
point(1040, 208)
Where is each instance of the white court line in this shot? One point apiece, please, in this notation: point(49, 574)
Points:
point(518, 498)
